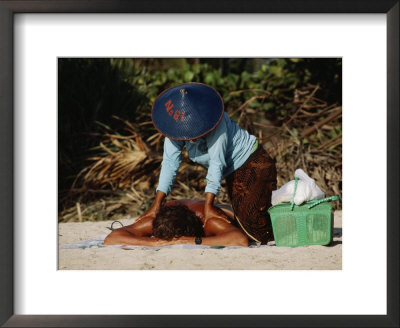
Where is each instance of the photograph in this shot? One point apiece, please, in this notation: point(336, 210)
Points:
point(204, 163)
point(230, 148)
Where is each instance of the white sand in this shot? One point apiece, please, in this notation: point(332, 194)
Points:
point(270, 258)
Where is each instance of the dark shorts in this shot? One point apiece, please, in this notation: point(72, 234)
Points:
point(250, 189)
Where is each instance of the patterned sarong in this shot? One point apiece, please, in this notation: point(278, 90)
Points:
point(250, 189)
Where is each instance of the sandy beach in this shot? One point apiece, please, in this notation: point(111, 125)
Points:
point(243, 258)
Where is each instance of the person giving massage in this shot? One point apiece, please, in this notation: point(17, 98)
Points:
point(192, 116)
point(180, 222)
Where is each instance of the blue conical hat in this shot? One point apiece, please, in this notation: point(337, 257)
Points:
point(187, 111)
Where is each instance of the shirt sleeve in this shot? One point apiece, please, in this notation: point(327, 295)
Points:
point(169, 166)
point(217, 144)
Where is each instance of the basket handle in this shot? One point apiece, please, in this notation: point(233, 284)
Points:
point(316, 202)
point(296, 180)
point(327, 199)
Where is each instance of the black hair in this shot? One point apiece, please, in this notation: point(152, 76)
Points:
point(176, 221)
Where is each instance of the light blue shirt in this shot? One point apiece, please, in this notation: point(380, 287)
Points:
point(222, 151)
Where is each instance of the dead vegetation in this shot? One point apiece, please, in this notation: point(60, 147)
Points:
point(121, 178)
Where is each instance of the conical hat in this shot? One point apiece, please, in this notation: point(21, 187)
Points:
point(187, 111)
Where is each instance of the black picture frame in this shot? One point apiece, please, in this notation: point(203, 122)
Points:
point(7, 11)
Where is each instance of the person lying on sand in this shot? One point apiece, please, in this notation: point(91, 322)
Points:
point(180, 222)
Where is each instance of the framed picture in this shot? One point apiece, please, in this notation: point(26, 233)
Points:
point(253, 92)
point(30, 298)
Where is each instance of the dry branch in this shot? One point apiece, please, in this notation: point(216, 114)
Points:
point(316, 126)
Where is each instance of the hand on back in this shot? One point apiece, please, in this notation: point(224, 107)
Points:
point(150, 213)
point(155, 208)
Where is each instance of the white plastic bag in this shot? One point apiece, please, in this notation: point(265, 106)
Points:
point(306, 190)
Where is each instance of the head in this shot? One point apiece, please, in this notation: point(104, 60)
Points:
point(177, 221)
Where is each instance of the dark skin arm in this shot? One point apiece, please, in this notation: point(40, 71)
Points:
point(218, 231)
point(138, 233)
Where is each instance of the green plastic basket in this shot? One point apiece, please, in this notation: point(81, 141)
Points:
point(308, 224)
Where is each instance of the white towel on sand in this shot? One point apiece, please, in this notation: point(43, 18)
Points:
point(99, 243)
